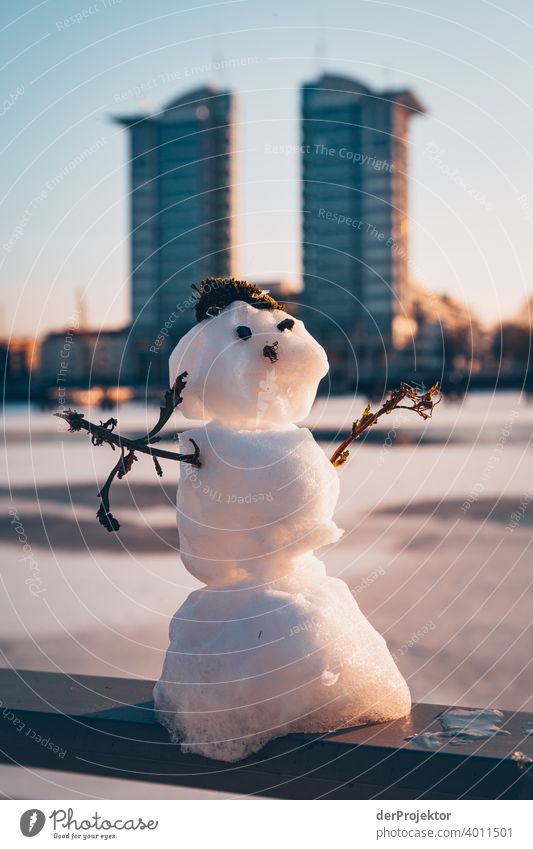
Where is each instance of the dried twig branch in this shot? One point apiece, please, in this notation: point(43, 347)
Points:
point(100, 435)
point(104, 433)
point(172, 400)
point(423, 404)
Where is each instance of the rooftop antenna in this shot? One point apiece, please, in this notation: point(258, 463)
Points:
point(387, 76)
point(218, 63)
point(81, 309)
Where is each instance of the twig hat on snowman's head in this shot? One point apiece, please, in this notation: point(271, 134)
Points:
point(216, 293)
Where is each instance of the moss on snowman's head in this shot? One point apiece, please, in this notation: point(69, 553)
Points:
point(216, 293)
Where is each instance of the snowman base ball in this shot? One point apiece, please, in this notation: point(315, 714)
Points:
point(253, 663)
point(270, 644)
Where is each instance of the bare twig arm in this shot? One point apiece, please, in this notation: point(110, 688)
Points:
point(172, 400)
point(423, 404)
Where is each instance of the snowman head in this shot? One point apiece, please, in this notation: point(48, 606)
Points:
point(249, 364)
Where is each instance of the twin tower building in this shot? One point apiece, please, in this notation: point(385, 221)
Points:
point(354, 171)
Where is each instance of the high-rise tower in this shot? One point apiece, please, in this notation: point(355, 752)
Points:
point(355, 224)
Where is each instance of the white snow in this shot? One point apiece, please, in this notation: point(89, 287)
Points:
point(246, 664)
point(260, 501)
point(271, 645)
point(409, 553)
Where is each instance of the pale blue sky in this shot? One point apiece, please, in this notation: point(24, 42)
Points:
point(470, 63)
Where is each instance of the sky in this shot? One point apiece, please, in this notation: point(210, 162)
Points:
point(69, 66)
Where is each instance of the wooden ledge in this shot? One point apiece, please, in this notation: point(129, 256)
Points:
point(106, 726)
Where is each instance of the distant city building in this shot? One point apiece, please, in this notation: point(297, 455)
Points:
point(79, 358)
point(181, 211)
point(355, 225)
point(442, 337)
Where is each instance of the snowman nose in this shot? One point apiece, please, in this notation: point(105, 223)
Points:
point(271, 351)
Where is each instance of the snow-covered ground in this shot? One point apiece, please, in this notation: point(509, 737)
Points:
point(437, 548)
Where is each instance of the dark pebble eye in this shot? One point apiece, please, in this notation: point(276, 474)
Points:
point(286, 324)
point(244, 332)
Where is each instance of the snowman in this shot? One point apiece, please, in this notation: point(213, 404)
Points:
point(269, 645)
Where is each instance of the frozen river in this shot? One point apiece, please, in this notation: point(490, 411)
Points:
point(438, 519)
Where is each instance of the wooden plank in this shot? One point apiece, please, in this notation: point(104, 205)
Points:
point(106, 726)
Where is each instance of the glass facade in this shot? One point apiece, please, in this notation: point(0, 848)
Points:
point(354, 219)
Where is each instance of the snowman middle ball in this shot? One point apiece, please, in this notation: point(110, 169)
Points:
point(265, 493)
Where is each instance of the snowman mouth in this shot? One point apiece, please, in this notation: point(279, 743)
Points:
point(271, 351)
